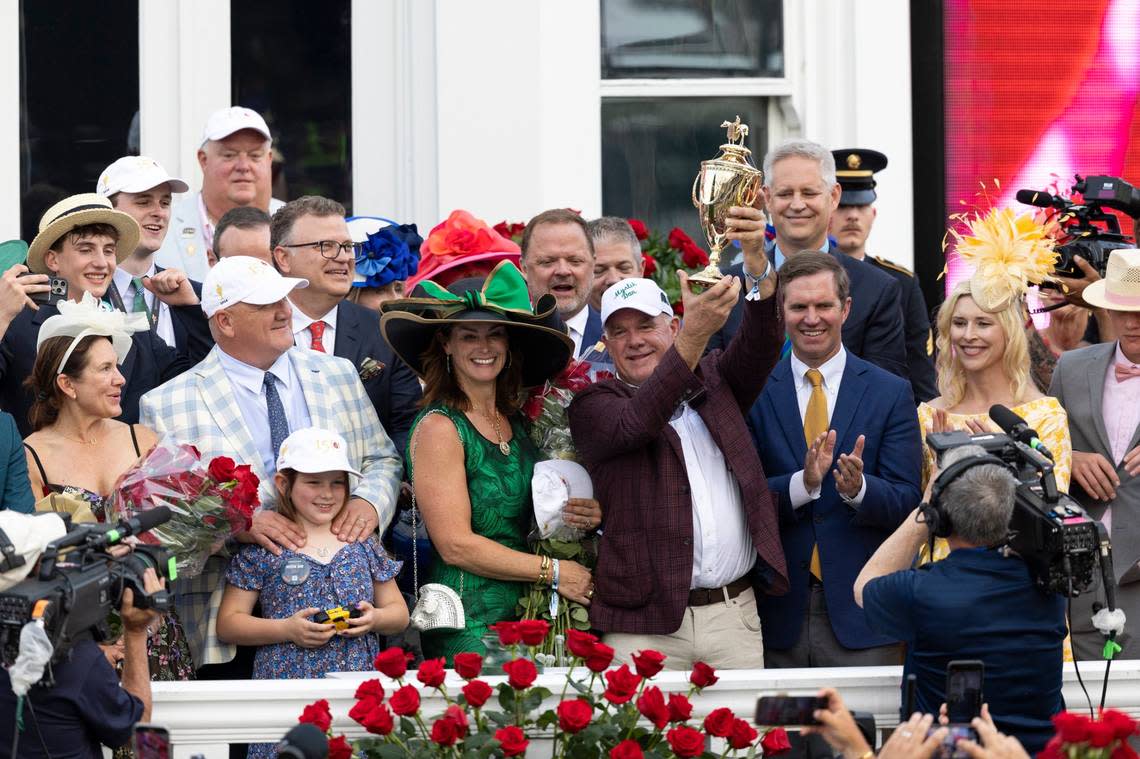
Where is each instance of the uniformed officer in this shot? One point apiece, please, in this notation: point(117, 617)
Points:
point(850, 226)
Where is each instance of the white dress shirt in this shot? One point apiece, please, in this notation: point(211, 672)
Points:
point(576, 326)
point(304, 338)
point(1120, 408)
point(832, 371)
point(722, 545)
point(164, 327)
point(249, 392)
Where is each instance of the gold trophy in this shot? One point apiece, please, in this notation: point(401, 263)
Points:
point(728, 180)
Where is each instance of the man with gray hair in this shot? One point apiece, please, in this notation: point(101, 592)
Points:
point(617, 255)
point(801, 194)
point(980, 602)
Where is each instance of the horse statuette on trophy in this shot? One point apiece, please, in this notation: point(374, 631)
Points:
point(728, 180)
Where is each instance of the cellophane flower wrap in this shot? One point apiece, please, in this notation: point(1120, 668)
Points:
point(209, 503)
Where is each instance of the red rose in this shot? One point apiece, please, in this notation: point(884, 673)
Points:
point(742, 734)
point(533, 631)
point(775, 741)
point(520, 673)
point(503, 228)
point(649, 662)
point(532, 409)
point(393, 662)
point(1123, 751)
point(639, 228)
point(678, 238)
point(679, 308)
point(431, 672)
point(405, 701)
point(508, 632)
point(685, 741)
point(340, 748)
point(580, 644)
point(627, 749)
point(652, 706)
point(1052, 749)
point(1123, 726)
point(468, 665)
point(719, 722)
point(621, 684)
point(600, 658)
point(370, 689)
point(574, 715)
point(512, 740)
point(361, 708)
point(378, 720)
point(1101, 734)
point(477, 692)
point(680, 709)
point(221, 470)
point(648, 265)
point(444, 732)
point(459, 717)
point(317, 713)
point(693, 257)
point(703, 675)
point(1072, 727)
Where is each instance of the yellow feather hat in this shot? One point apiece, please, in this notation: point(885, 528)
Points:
point(1008, 251)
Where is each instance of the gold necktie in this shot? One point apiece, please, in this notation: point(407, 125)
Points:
point(815, 424)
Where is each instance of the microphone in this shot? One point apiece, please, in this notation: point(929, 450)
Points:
point(305, 741)
point(1017, 428)
point(1039, 198)
point(141, 522)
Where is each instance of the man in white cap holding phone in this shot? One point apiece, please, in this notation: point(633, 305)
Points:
point(236, 158)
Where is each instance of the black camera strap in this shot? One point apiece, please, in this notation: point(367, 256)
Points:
point(11, 559)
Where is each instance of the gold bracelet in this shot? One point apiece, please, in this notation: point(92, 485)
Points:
point(867, 754)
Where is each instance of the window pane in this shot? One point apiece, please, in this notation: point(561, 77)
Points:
point(692, 38)
point(652, 150)
point(68, 133)
point(292, 64)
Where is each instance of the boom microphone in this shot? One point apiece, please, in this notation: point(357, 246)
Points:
point(304, 741)
point(1017, 428)
point(1039, 198)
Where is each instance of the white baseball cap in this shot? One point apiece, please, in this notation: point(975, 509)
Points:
point(315, 450)
point(29, 534)
point(136, 173)
point(637, 293)
point(244, 279)
point(225, 122)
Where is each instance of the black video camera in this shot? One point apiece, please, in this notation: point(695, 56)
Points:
point(1050, 531)
point(74, 591)
point(1090, 231)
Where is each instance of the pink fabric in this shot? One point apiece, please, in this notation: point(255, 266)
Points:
point(1121, 300)
point(207, 227)
point(1121, 406)
point(1126, 372)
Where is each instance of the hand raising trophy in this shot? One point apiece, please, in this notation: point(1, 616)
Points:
point(728, 180)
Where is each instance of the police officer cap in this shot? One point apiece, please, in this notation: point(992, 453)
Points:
point(855, 171)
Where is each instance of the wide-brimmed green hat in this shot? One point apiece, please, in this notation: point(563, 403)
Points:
point(536, 334)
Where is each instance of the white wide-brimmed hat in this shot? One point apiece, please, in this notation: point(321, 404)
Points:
point(1120, 288)
point(79, 211)
point(28, 534)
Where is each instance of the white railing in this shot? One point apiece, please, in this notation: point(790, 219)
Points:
point(205, 717)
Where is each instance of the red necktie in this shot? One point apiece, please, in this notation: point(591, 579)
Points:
point(318, 330)
point(1126, 372)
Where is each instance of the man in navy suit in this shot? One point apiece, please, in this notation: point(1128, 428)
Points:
point(309, 237)
point(834, 512)
point(801, 194)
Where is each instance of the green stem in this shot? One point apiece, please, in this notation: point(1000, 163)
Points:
point(423, 727)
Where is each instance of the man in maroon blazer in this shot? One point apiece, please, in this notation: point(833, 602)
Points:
point(691, 533)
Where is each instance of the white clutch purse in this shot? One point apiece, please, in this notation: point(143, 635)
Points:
point(438, 608)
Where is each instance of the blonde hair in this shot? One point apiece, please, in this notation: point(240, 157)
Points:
point(1015, 360)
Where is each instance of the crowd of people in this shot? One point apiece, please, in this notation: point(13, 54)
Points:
point(757, 465)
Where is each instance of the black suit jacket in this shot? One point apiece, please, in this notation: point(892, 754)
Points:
point(923, 379)
point(183, 332)
point(874, 328)
point(395, 390)
point(149, 363)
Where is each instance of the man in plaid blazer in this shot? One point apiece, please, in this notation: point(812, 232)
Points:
point(691, 535)
point(215, 407)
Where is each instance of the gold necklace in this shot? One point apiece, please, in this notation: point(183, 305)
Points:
point(81, 441)
point(504, 446)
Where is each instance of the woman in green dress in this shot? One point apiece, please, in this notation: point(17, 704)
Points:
point(468, 456)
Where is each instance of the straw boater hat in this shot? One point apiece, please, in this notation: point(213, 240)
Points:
point(1120, 288)
point(79, 211)
point(409, 325)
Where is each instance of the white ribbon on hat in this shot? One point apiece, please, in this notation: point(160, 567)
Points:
point(86, 318)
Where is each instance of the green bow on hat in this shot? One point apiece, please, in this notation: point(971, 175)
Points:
point(504, 291)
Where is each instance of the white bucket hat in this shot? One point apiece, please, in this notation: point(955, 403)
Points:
point(28, 535)
point(1120, 288)
point(315, 450)
point(244, 279)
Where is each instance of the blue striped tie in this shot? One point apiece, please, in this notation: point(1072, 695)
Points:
point(278, 423)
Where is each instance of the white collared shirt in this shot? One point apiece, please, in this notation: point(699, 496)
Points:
point(304, 338)
point(576, 326)
point(164, 327)
point(249, 391)
point(832, 371)
point(722, 545)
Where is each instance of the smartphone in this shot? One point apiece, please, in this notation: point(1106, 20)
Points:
point(774, 711)
point(151, 742)
point(57, 291)
point(964, 690)
point(949, 748)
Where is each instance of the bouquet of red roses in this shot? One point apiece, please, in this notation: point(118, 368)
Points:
point(1080, 737)
point(545, 407)
point(208, 504)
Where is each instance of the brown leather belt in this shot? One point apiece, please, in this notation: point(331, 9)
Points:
point(706, 596)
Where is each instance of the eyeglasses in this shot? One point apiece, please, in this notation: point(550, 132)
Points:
point(328, 248)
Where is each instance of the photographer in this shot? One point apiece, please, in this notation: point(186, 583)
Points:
point(88, 704)
point(978, 603)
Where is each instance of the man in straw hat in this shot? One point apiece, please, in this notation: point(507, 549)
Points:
point(1099, 386)
point(242, 401)
point(81, 241)
point(90, 704)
